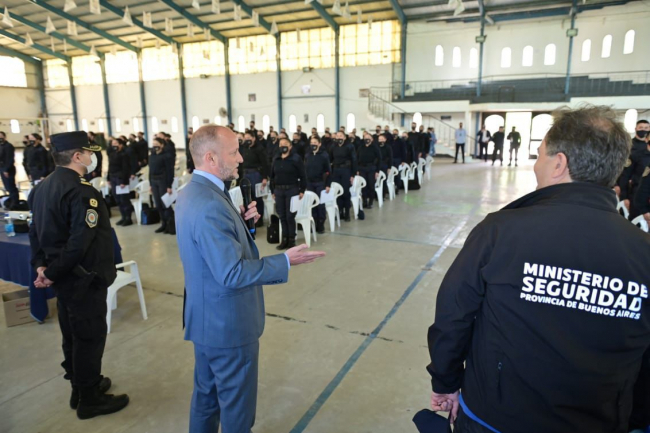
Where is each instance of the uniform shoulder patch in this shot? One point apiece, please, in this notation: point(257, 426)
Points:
point(646, 173)
point(93, 202)
point(628, 163)
point(92, 218)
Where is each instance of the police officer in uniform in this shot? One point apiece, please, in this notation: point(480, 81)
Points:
point(368, 159)
point(498, 139)
point(515, 143)
point(317, 166)
point(39, 164)
point(119, 174)
point(344, 163)
point(630, 178)
point(8, 170)
point(72, 251)
point(386, 161)
point(255, 168)
point(288, 179)
point(272, 147)
point(161, 178)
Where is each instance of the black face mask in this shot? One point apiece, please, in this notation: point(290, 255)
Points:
point(156, 149)
point(116, 148)
point(260, 137)
point(381, 143)
point(413, 128)
point(284, 149)
point(2, 140)
point(32, 142)
point(378, 130)
point(240, 141)
point(274, 139)
point(314, 147)
point(642, 134)
point(339, 141)
point(295, 141)
point(368, 141)
point(395, 136)
point(247, 142)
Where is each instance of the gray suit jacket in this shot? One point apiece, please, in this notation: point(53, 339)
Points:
point(224, 275)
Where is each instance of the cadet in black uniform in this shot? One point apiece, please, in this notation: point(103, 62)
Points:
point(119, 174)
point(255, 168)
point(161, 178)
point(272, 148)
point(344, 163)
point(498, 138)
point(368, 159)
point(72, 251)
point(288, 179)
point(423, 149)
point(8, 170)
point(38, 161)
point(317, 165)
point(515, 143)
point(629, 180)
point(413, 143)
point(386, 161)
point(298, 145)
point(261, 140)
point(143, 149)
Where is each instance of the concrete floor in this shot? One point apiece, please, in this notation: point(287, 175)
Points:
point(345, 344)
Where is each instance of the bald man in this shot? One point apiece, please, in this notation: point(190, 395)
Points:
point(224, 275)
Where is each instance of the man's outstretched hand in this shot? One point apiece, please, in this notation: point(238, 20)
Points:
point(300, 255)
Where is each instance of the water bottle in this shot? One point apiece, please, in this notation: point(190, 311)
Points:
point(9, 226)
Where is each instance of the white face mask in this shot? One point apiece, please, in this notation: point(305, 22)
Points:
point(93, 164)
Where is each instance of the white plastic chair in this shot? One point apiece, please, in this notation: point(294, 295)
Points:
point(98, 183)
point(421, 163)
point(332, 208)
point(142, 190)
point(641, 223)
point(412, 170)
point(621, 207)
point(124, 279)
point(304, 216)
point(18, 214)
point(405, 174)
point(390, 182)
point(356, 196)
point(379, 188)
point(429, 165)
point(236, 197)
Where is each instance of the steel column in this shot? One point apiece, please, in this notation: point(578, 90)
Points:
point(574, 12)
point(107, 102)
point(226, 55)
point(337, 78)
point(73, 98)
point(279, 76)
point(143, 102)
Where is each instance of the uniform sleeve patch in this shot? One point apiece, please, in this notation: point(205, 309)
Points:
point(91, 218)
point(93, 202)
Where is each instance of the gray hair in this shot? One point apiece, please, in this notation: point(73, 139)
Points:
point(204, 140)
point(594, 142)
point(64, 158)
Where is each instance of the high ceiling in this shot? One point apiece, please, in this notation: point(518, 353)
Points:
point(288, 14)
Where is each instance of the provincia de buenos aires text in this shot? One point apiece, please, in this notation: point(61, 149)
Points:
point(585, 291)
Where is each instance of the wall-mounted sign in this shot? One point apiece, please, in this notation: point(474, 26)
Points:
point(252, 97)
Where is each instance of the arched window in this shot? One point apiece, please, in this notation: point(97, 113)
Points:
point(136, 125)
point(320, 123)
point(174, 124)
point(455, 57)
point(417, 118)
point(607, 47)
point(506, 57)
point(154, 125)
point(631, 117)
point(266, 123)
point(351, 122)
point(527, 59)
point(195, 122)
point(84, 124)
point(241, 122)
point(440, 55)
point(69, 125)
point(586, 50)
point(473, 58)
point(15, 126)
point(100, 125)
point(549, 55)
point(292, 124)
point(118, 124)
point(628, 47)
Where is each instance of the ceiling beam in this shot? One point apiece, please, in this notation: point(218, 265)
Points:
point(249, 12)
point(194, 20)
point(84, 24)
point(57, 35)
point(36, 46)
point(22, 56)
point(399, 11)
point(120, 13)
point(325, 15)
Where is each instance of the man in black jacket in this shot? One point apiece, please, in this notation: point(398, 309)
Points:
point(344, 164)
point(8, 170)
point(368, 160)
point(629, 180)
point(317, 166)
point(255, 168)
point(543, 319)
point(498, 139)
point(119, 175)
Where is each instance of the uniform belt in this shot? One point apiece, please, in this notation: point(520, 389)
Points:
point(285, 187)
point(157, 176)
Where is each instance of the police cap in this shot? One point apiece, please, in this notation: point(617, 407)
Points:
point(72, 140)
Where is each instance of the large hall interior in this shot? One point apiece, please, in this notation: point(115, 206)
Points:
point(345, 347)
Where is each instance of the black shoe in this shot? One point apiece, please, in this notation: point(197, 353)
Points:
point(492, 162)
point(501, 163)
point(171, 229)
point(509, 164)
point(104, 386)
point(120, 222)
point(93, 403)
point(127, 222)
point(291, 242)
point(455, 162)
point(283, 245)
point(370, 202)
point(516, 165)
point(320, 227)
point(161, 229)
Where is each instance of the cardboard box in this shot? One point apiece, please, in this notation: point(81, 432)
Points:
point(16, 306)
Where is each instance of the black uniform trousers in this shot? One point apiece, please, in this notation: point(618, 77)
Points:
point(283, 207)
point(9, 183)
point(514, 149)
point(158, 188)
point(460, 146)
point(368, 173)
point(398, 180)
point(123, 200)
point(342, 175)
point(483, 151)
point(319, 211)
point(83, 327)
point(255, 177)
point(498, 150)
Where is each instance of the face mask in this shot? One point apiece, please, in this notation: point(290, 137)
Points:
point(259, 137)
point(2, 140)
point(32, 142)
point(156, 149)
point(295, 141)
point(240, 141)
point(247, 142)
point(284, 149)
point(339, 141)
point(368, 141)
point(381, 143)
point(413, 128)
point(640, 134)
point(395, 136)
point(378, 130)
point(93, 164)
point(314, 147)
point(274, 139)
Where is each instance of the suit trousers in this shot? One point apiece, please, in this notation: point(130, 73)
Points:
point(514, 149)
point(225, 389)
point(460, 146)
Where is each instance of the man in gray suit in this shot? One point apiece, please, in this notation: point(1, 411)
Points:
point(224, 306)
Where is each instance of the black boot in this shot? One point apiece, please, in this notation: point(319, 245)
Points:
point(120, 222)
point(162, 227)
point(291, 242)
point(320, 227)
point(127, 222)
point(104, 386)
point(93, 403)
point(370, 202)
point(283, 244)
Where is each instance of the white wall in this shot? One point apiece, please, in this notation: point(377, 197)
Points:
point(22, 104)
point(265, 88)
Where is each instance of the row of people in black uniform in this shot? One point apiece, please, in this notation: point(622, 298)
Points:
point(633, 185)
